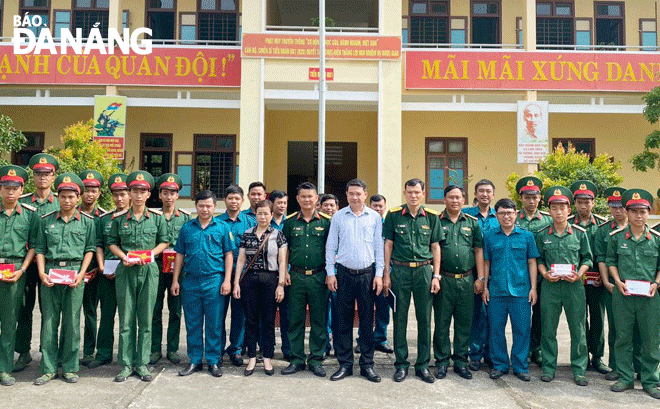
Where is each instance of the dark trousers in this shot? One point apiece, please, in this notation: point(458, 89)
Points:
point(535, 338)
point(24, 327)
point(352, 287)
point(258, 295)
point(173, 320)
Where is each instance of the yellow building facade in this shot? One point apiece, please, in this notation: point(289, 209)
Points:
point(387, 120)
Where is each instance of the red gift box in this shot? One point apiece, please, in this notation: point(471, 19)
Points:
point(168, 261)
point(140, 255)
point(59, 276)
point(6, 271)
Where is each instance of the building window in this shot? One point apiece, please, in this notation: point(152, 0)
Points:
point(429, 22)
point(648, 34)
point(86, 13)
point(155, 155)
point(160, 19)
point(217, 20)
point(34, 144)
point(486, 18)
point(610, 24)
point(446, 164)
point(583, 145)
point(214, 163)
point(554, 23)
point(34, 8)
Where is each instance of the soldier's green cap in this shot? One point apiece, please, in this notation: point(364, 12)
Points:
point(117, 182)
point(637, 198)
point(12, 175)
point(170, 181)
point(91, 178)
point(584, 189)
point(140, 178)
point(558, 194)
point(530, 185)
point(613, 195)
point(44, 163)
point(69, 181)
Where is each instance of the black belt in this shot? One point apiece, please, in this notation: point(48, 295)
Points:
point(66, 263)
point(366, 270)
point(307, 272)
point(411, 264)
point(11, 260)
point(455, 275)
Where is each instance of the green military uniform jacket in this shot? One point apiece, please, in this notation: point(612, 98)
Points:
point(635, 259)
point(18, 231)
point(174, 224)
point(412, 236)
point(570, 248)
point(103, 226)
point(47, 206)
point(58, 240)
point(601, 240)
point(460, 240)
point(536, 223)
point(306, 241)
point(131, 234)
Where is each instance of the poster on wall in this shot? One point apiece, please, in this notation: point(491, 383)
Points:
point(110, 123)
point(532, 131)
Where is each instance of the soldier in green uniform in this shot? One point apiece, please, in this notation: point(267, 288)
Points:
point(18, 229)
point(92, 180)
point(44, 167)
point(633, 254)
point(168, 186)
point(563, 246)
point(584, 194)
point(143, 230)
point(66, 241)
point(306, 233)
point(106, 287)
point(533, 220)
point(412, 245)
point(462, 251)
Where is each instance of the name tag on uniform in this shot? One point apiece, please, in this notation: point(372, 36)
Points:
point(467, 228)
point(425, 227)
point(320, 228)
point(297, 228)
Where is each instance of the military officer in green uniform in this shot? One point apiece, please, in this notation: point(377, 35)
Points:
point(92, 181)
point(633, 254)
point(168, 186)
point(412, 246)
point(66, 241)
point(565, 257)
point(106, 288)
point(584, 194)
point(18, 229)
point(306, 232)
point(462, 251)
point(533, 220)
point(141, 230)
point(44, 167)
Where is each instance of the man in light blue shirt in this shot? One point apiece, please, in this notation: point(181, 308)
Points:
point(356, 237)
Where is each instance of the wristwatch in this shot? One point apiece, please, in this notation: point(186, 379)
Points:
point(438, 276)
point(482, 279)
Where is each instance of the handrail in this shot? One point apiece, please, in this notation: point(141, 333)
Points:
point(327, 29)
point(539, 47)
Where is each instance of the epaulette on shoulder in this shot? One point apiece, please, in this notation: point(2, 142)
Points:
point(55, 194)
point(571, 217)
point(435, 212)
point(186, 212)
point(25, 195)
point(327, 216)
point(601, 218)
point(543, 228)
point(655, 227)
point(654, 232)
point(117, 214)
point(469, 216)
point(101, 210)
point(613, 232)
point(27, 206)
point(48, 214)
point(604, 223)
point(294, 214)
point(87, 215)
point(154, 211)
point(544, 213)
point(104, 214)
point(396, 209)
point(582, 229)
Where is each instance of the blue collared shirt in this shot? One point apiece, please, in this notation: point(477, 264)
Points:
point(485, 223)
point(237, 228)
point(508, 255)
point(204, 249)
point(276, 226)
point(356, 240)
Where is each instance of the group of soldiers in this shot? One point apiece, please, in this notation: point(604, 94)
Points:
point(586, 265)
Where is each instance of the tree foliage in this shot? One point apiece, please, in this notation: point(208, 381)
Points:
point(648, 158)
point(11, 139)
point(565, 166)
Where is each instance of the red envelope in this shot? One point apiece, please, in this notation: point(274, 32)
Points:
point(140, 255)
point(6, 271)
point(592, 278)
point(168, 261)
point(59, 276)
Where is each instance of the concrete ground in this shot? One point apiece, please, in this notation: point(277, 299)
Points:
point(96, 388)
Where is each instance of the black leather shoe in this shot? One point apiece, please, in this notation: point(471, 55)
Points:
point(474, 365)
point(215, 370)
point(496, 374)
point(400, 374)
point(463, 372)
point(248, 372)
point(287, 357)
point(236, 359)
point(341, 373)
point(293, 368)
point(441, 371)
point(383, 348)
point(318, 371)
point(370, 374)
point(425, 375)
point(523, 376)
point(269, 372)
point(191, 368)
